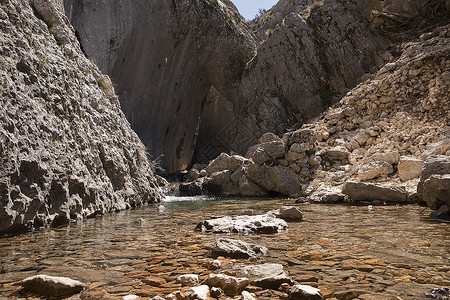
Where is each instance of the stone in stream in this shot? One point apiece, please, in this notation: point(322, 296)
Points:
point(244, 224)
point(288, 213)
point(359, 191)
point(229, 284)
point(51, 286)
point(188, 279)
point(304, 292)
point(131, 297)
point(237, 249)
point(200, 292)
point(268, 276)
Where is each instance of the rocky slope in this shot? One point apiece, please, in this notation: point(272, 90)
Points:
point(370, 146)
point(67, 151)
point(224, 82)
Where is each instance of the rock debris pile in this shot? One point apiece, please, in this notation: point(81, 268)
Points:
point(371, 146)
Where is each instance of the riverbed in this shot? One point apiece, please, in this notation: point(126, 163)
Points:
point(380, 252)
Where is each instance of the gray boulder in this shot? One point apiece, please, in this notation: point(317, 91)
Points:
point(249, 188)
point(433, 165)
point(359, 191)
point(436, 191)
point(326, 194)
point(220, 184)
point(278, 179)
point(51, 286)
point(237, 249)
point(244, 224)
point(288, 213)
point(225, 162)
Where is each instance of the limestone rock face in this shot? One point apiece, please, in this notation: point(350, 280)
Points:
point(165, 56)
point(202, 81)
point(67, 151)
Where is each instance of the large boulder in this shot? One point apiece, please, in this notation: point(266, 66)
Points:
point(409, 168)
point(326, 194)
point(278, 179)
point(433, 165)
point(249, 188)
point(436, 191)
point(220, 184)
point(359, 191)
point(244, 224)
point(374, 169)
point(225, 162)
point(51, 286)
point(237, 249)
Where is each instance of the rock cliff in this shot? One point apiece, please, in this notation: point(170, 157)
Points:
point(194, 79)
point(67, 150)
point(372, 146)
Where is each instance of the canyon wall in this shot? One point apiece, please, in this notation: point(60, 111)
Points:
point(67, 150)
point(194, 79)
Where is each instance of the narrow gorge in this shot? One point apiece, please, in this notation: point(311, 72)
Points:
point(308, 150)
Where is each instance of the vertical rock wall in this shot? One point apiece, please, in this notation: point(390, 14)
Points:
point(67, 150)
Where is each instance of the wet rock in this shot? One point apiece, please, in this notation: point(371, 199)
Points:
point(189, 189)
point(409, 168)
point(439, 293)
point(161, 181)
point(443, 213)
point(326, 194)
point(359, 191)
point(51, 286)
point(229, 284)
point(132, 297)
point(288, 213)
point(268, 276)
point(188, 279)
point(244, 224)
point(200, 292)
point(278, 179)
point(237, 249)
point(304, 292)
point(433, 165)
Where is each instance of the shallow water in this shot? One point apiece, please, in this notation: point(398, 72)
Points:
point(349, 251)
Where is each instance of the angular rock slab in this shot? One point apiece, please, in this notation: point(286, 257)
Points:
point(229, 284)
point(200, 292)
point(288, 213)
point(305, 292)
point(244, 224)
point(268, 276)
point(237, 249)
point(51, 286)
point(359, 191)
point(434, 165)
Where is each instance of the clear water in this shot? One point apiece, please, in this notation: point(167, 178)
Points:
point(348, 251)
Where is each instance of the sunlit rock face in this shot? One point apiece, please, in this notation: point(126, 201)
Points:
point(67, 150)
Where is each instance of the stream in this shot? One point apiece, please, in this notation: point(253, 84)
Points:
point(384, 252)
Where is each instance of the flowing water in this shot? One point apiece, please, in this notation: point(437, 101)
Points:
point(388, 252)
